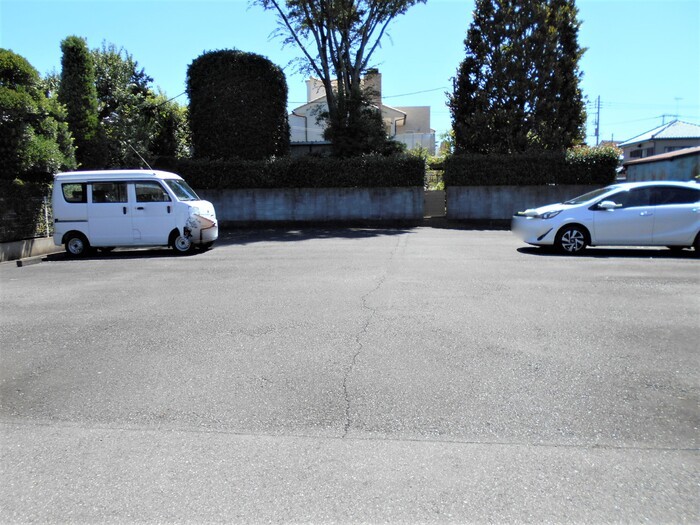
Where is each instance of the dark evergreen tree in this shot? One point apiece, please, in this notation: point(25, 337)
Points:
point(78, 94)
point(238, 106)
point(560, 115)
point(517, 88)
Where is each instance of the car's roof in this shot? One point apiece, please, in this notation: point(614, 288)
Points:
point(115, 175)
point(630, 185)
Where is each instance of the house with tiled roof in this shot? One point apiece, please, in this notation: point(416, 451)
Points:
point(682, 164)
point(667, 138)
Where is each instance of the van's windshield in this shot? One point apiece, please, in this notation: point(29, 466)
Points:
point(182, 190)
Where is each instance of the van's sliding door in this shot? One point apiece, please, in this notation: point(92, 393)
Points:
point(110, 214)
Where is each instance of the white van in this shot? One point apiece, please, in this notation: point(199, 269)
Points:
point(105, 209)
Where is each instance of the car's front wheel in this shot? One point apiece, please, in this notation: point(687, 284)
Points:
point(181, 244)
point(572, 240)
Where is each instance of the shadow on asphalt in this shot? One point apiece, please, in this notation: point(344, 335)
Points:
point(121, 253)
point(242, 237)
point(613, 253)
point(238, 237)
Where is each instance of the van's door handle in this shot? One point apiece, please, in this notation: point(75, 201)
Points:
point(168, 209)
point(124, 210)
point(646, 213)
point(139, 208)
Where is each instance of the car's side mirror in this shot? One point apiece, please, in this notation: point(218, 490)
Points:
point(609, 205)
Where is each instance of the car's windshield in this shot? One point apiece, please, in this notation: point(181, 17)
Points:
point(182, 190)
point(590, 195)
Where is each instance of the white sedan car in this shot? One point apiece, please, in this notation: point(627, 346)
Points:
point(627, 214)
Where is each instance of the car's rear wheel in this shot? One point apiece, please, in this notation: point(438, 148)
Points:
point(572, 240)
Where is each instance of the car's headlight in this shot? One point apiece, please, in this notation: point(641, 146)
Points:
point(549, 214)
point(194, 211)
point(532, 214)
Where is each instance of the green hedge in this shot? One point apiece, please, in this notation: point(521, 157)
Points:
point(596, 166)
point(299, 172)
point(238, 106)
point(23, 210)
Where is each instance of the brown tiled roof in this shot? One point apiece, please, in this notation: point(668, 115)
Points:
point(666, 156)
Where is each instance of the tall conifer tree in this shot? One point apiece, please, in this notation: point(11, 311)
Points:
point(78, 94)
point(517, 87)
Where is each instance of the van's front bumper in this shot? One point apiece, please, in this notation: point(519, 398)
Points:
point(208, 235)
point(202, 230)
point(533, 230)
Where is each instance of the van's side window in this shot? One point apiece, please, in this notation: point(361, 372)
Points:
point(75, 193)
point(109, 192)
point(150, 192)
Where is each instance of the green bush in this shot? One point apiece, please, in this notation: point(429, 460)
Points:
point(23, 210)
point(582, 165)
point(238, 106)
point(370, 171)
point(34, 138)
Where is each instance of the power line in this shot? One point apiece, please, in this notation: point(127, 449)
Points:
point(385, 96)
point(415, 92)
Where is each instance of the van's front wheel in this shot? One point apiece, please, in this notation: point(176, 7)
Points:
point(181, 244)
point(77, 245)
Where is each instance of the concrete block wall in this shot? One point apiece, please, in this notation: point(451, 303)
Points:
point(322, 204)
point(501, 202)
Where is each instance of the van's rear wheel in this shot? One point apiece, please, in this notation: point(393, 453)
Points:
point(77, 245)
point(181, 244)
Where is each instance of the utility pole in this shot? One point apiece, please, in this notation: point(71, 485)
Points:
point(597, 122)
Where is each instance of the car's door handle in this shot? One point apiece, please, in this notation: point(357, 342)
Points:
point(139, 208)
point(124, 209)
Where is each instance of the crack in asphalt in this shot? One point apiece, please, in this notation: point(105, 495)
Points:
point(358, 337)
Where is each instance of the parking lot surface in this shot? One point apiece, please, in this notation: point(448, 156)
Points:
point(350, 375)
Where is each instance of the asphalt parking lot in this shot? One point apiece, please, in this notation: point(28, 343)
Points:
point(336, 375)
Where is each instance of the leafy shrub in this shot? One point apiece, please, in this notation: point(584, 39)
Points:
point(370, 171)
point(238, 106)
point(34, 138)
point(23, 208)
point(581, 165)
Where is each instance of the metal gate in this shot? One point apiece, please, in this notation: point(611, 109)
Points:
point(434, 203)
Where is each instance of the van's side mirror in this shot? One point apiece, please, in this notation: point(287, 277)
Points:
point(609, 205)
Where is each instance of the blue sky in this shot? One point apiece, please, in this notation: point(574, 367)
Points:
point(643, 57)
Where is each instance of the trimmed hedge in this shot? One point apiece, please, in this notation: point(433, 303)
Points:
point(238, 106)
point(596, 166)
point(23, 210)
point(299, 172)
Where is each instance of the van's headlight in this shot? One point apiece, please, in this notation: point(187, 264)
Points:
point(194, 211)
